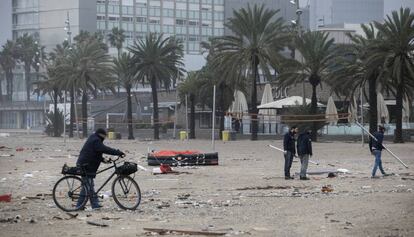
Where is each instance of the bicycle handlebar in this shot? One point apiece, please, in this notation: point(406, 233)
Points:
point(113, 161)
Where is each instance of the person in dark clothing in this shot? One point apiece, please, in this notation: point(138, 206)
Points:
point(304, 149)
point(90, 158)
point(290, 151)
point(375, 146)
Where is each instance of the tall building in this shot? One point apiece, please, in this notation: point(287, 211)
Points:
point(192, 21)
point(331, 12)
point(286, 9)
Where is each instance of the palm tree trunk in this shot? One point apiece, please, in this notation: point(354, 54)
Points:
point(55, 113)
point(222, 109)
point(1, 92)
point(313, 109)
point(192, 117)
point(373, 113)
point(129, 112)
point(253, 107)
point(27, 77)
point(84, 114)
point(155, 108)
point(9, 86)
point(399, 104)
point(72, 111)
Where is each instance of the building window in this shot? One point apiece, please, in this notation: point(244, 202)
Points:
point(207, 31)
point(155, 11)
point(218, 32)
point(168, 29)
point(218, 2)
point(206, 15)
point(180, 30)
point(193, 23)
point(193, 30)
point(194, 14)
point(141, 11)
point(206, 1)
point(180, 22)
point(168, 12)
point(141, 19)
point(180, 13)
point(219, 16)
point(100, 8)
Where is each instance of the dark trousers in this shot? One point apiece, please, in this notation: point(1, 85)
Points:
point(288, 163)
point(89, 181)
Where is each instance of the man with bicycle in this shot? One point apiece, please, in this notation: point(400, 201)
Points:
point(90, 158)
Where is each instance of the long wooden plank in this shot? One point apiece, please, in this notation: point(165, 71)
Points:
point(188, 232)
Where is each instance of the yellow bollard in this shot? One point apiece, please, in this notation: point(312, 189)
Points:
point(111, 135)
point(225, 135)
point(183, 135)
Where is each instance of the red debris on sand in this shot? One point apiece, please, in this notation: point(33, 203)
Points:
point(5, 198)
point(19, 149)
point(165, 168)
point(174, 153)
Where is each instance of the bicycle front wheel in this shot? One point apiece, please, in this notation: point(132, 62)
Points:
point(126, 193)
point(70, 193)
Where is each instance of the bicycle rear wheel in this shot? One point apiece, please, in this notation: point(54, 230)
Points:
point(126, 192)
point(68, 195)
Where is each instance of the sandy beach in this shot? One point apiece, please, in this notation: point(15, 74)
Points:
point(246, 195)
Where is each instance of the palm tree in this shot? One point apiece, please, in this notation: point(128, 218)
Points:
point(8, 59)
point(116, 39)
point(396, 49)
point(256, 43)
point(209, 76)
point(317, 53)
point(190, 87)
point(125, 72)
point(27, 51)
point(157, 60)
point(60, 54)
point(353, 71)
point(87, 68)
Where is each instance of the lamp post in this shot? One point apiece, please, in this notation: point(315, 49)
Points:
point(69, 40)
point(299, 31)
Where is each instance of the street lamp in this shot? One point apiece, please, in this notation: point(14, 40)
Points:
point(296, 23)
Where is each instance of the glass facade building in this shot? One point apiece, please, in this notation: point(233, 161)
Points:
point(192, 21)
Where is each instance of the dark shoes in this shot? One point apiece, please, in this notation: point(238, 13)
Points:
point(289, 177)
point(304, 178)
point(97, 207)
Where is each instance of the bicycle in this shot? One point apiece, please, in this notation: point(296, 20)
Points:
point(125, 190)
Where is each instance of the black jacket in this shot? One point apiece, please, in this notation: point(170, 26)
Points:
point(289, 142)
point(376, 145)
point(91, 153)
point(304, 144)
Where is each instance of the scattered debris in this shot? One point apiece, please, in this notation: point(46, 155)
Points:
point(3, 134)
point(163, 205)
point(327, 189)
point(6, 155)
point(72, 216)
point(263, 188)
point(28, 175)
point(110, 218)
point(97, 224)
point(5, 198)
point(331, 175)
point(184, 196)
point(19, 149)
point(187, 232)
point(29, 161)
